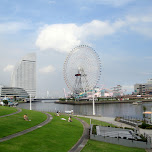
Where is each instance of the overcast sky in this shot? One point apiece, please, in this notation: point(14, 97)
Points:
point(120, 31)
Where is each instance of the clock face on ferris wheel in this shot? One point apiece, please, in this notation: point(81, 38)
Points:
point(82, 69)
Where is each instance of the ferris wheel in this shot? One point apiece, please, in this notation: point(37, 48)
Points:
point(82, 69)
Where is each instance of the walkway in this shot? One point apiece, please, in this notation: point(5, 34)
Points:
point(18, 111)
point(49, 118)
point(84, 138)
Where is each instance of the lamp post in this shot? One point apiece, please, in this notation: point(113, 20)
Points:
point(30, 103)
point(151, 116)
point(93, 103)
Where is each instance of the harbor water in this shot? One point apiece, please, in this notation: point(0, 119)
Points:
point(105, 110)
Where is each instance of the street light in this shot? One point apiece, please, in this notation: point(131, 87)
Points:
point(93, 102)
point(30, 103)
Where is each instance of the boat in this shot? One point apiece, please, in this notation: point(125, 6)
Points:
point(137, 102)
point(69, 112)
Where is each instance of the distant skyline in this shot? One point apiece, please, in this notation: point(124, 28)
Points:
point(120, 31)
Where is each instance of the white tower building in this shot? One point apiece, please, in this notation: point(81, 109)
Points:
point(24, 74)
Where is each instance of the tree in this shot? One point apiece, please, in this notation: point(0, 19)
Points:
point(6, 102)
point(14, 98)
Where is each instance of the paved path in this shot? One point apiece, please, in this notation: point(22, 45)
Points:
point(109, 120)
point(84, 138)
point(49, 118)
point(148, 150)
point(18, 111)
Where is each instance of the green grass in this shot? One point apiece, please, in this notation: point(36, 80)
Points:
point(15, 123)
point(96, 122)
point(6, 110)
point(97, 146)
point(56, 136)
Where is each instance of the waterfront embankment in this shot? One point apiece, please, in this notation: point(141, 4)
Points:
point(97, 102)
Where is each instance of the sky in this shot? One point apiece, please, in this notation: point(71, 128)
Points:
point(120, 31)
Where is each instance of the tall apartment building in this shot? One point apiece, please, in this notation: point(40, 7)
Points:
point(143, 89)
point(24, 74)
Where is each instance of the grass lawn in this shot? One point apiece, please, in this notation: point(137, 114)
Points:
point(97, 146)
point(56, 136)
point(6, 110)
point(15, 123)
point(96, 122)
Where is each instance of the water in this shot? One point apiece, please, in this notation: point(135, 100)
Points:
point(105, 110)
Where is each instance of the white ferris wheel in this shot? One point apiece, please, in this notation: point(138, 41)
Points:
point(82, 69)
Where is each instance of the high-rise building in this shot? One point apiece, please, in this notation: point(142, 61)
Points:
point(144, 88)
point(24, 74)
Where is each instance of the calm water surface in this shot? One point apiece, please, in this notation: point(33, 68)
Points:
point(105, 110)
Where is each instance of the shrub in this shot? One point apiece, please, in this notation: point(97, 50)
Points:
point(150, 127)
point(129, 128)
point(144, 125)
point(143, 138)
point(117, 118)
point(62, 99)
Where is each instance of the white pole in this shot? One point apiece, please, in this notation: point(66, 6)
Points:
point(93, 105)
point(151, 115)
point(30, 103)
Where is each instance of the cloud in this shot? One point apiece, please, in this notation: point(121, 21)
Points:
point(84, 8)
point(60, 37)
point(142, 18)
point(51, 2)
point(13, 27)
point(8, 68)
point(63, 37)
point(48, 69)
point(115, 3)
point(148, 58)
point(141, 24)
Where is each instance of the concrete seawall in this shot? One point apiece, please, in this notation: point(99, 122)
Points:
point(97, 102)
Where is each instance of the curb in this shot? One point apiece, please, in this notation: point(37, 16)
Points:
point(19, 110)
point(84, 138)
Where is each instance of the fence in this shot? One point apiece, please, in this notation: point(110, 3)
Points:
point(134, 120)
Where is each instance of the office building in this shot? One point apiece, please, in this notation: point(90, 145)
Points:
point(143, 89)
point(13, 92)
point(24, 74)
